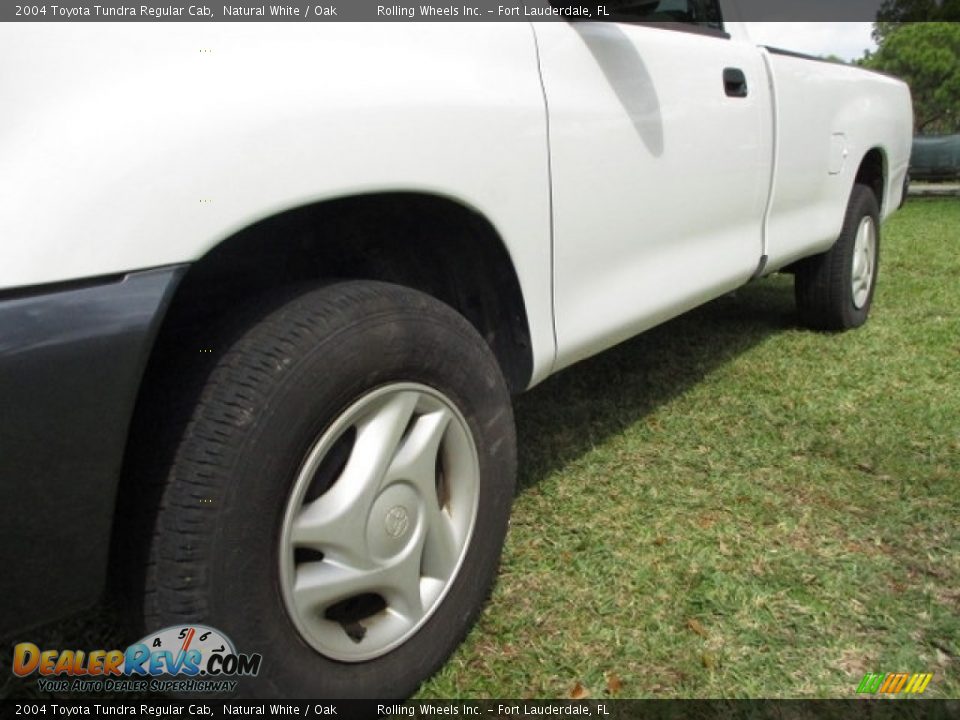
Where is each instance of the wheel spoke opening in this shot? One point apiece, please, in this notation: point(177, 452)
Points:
point(441, 483)
point(302, 555)
point(441, 548)
point(332, 466)
point(354, 614)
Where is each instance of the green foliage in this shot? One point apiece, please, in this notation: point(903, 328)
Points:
point(927, 56)
point(893, 13)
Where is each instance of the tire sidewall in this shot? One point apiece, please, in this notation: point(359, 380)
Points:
point(429, 345)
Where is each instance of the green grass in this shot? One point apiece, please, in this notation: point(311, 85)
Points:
point(732, 506)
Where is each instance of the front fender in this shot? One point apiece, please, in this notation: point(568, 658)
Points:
point(132, 146)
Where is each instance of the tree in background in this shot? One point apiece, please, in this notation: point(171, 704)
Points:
point(924, 54)
point(893, 13)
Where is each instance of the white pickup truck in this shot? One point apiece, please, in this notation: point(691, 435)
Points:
point(266, 292)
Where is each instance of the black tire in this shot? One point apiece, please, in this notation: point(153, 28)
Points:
point(214, 554)
point(823, 283)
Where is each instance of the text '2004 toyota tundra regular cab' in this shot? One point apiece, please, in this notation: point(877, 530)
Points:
point(263, 307)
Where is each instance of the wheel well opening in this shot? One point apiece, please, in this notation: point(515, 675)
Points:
point(872, 173)
point(425, 242)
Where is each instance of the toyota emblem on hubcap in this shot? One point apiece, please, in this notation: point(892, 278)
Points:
point(397, 521)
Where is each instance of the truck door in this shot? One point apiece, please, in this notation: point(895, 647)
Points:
point(661, 152)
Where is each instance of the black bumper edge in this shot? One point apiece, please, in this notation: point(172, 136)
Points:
point(71, 362)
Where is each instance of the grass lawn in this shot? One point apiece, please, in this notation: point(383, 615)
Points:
point(731, 506)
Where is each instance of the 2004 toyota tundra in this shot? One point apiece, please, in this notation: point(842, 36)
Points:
point(267, 291)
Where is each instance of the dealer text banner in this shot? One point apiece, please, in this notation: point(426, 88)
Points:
point(372, 11)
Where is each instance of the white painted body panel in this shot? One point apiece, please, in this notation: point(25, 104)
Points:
point(660, 179)
point(114, 133)
point(130, 146)
point(822, 110)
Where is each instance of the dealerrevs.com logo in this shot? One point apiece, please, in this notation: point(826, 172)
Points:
point(193, 658)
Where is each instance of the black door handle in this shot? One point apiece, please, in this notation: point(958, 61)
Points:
point(735, 82)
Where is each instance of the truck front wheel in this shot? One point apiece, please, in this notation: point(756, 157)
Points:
point(834, 290)
point(339, 500)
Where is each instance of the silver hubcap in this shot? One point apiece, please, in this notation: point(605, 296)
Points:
point(864, 259)
point(379, 521)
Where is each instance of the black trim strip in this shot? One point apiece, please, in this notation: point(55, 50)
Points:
point(672, 26)
point(26, 291)
point(692, 28)
point(802, 56)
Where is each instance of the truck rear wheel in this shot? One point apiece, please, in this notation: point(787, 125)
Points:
point(339, 500)
point(834, 290)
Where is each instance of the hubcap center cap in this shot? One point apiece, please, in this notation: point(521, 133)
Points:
point(393, 521)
